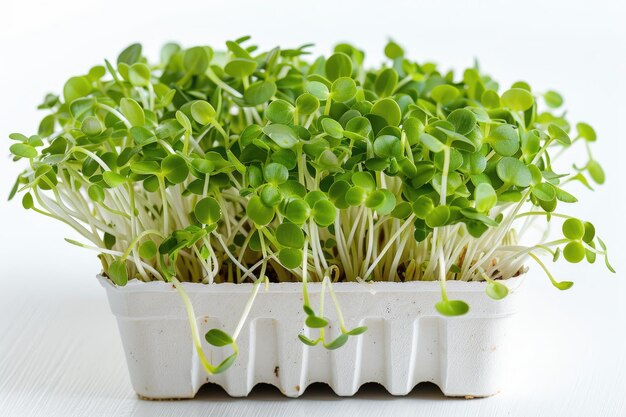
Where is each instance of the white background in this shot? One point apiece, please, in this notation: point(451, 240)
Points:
point(59, 349)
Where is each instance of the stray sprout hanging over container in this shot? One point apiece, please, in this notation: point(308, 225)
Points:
point(247, 166)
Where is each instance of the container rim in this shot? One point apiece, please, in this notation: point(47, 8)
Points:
point(137, 286)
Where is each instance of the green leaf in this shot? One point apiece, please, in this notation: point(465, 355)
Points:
point(148, 249)
point(438, 216)
point(283, 135)
point(259, 212)
point(96, 193)
point(559, 134)
point(91, 126)
point(590, 232)
point(574, 252)
point(431, 143)
point(317, 90)
point(422, 207)
point(297, 211)
point(290, 258)
point(307, 103)
point(463, 120)
point(118, 273)
point(271, 195)
point(219, 338)
point(141, 135)
point(357, 331)
point(452, 308)
point(485, 197)
point(504, 139)
point(562, 285)
point(132, 111)
point(276, 173)
point(389, 110)
point(196, 60)
point(564, 196)
point(203, 112)
point(290, 235)
point(226, 363)
point(307, 341)
point(332, 128)
point(27, 201)
point(387, 146)
point(175, 168)
point(496, 290)
point(553, 99)
point(259, 92)
point(23, 150)
point(139, 75)
point(145, 167)
point(338, 342)
point(207, 211)
point(324, 213)
point(113, 179)
point(316, 322)
point(240, 67)
point(513, 171)
point(544, 191)
point(393, 50)
point(386, 82)
point(76, 87)
point(343, 89)
point(586, 132)
point(517, 99)
point(573, 229)
point(130, 55)
point(596, 172)
point(280, 111)
point(444, 94)
point(338, 65)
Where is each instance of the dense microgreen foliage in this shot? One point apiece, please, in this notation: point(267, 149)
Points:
point(246, 166)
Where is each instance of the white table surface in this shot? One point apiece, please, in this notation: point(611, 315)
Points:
point(60, 354)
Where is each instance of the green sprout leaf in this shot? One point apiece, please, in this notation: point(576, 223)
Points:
point(496, 290)
point(118, 273)
point(307, 341)
point(573, 229)
point(260, 92)
point(341, 340)
point(175, 168)
point(343, 89)
point(207, 211)
point(513, 171)
point(259, 212)
point(148, 249)
point(282, 135)
point(451, 308)
point(517, 99)
point(553, 99)
point(202, 112)
point(23, 150)
point(219, 338)
point(444, 94)
point(315, 322)
point(574, 252)
point(290, 258)
point(290, 235)
point(505, 140)
point(338, 65)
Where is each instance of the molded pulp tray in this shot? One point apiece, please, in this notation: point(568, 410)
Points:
point(407, 341)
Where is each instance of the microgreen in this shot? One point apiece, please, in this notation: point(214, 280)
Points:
point(247, 166)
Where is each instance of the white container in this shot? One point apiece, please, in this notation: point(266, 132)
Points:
point(407, 341)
